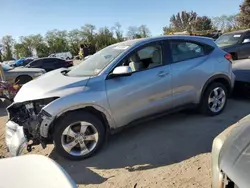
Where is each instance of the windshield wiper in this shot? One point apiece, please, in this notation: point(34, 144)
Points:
point(64, 72)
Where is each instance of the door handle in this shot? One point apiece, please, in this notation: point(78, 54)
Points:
point(162, 73)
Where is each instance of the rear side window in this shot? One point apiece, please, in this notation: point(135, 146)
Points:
point(183, 50)
point(35, 64)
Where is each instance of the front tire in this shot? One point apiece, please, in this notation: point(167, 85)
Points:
point(78, 135)
point(214, 99)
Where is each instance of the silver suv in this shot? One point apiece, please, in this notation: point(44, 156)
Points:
point(77, 108)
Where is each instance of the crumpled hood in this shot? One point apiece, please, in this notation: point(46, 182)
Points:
point(52, 84)
point(241, 69)
point(235, 154)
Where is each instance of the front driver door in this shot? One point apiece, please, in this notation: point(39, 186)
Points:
point(147, 91)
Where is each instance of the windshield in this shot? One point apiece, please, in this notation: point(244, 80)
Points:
point(97, 62)
point(6, 67)
point(228, 40)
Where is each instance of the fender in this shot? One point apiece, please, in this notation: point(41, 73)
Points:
point(213, 78)
point(73, 102)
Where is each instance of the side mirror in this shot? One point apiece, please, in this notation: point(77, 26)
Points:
point(246, 41)
point(122, 71)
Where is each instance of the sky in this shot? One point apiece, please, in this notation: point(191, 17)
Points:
point(25, 17)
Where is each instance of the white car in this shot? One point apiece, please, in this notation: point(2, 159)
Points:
point(33, 171)
point(62, 55)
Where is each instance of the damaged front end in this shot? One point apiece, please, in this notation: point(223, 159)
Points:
point(28, 125)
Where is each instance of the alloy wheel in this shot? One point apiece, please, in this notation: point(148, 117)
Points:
point(217, 99)
point(79, 138)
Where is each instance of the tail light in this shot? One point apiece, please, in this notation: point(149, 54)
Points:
point(229, 57)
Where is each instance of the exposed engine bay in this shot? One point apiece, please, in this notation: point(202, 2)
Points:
point(33, 120)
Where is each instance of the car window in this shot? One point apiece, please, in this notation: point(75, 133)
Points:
point(98, 61)
point(228, 39)
point(182, 50)
point(34, 64)
point(49, 64)
point(145, 58)
point(49, 61)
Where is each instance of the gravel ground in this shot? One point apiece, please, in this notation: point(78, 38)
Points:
point(173, 151)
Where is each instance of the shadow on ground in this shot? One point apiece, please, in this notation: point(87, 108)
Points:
point(161, 142)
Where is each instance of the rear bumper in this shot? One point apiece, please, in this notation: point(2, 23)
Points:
point(14, 138)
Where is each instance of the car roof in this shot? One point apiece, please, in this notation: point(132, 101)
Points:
point(43, 58)
point(140, 41)
point(238, 32)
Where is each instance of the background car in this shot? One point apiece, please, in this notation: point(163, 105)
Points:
point(49, 64)
point(62, 55)
point(236, 43)
point(241, 69)
point(20, 75)
point(120, 85)
point(33, 171)
point(230, 156)
point(23, 61)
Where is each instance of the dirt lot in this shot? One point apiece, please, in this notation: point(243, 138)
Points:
point(173, 151)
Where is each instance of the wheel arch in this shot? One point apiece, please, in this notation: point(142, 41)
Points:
point(97, 111)
point(220, 78)
point(23, 75)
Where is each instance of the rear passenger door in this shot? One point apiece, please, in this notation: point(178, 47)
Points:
point(188, 66)
point(61, 64)
point(49, 64)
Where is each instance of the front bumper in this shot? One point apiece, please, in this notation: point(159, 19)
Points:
point(218, 177)
point(15, 138)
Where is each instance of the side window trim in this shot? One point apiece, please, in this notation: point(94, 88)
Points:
point(187, 41)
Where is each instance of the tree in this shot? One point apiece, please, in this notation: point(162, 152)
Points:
point(183, 21)
point(42, 50)
point(244, 16)
point(74, 40)
point(138, 32)
point(188, 21)
point(104, 38)
point(118, 32)
point(1, 58)
point(57, 41)
point(226, 22)
point(7, 42)
point(144, 31)
point(202, 23)
point(88, 33)
point(132, 32)
point(21, 50)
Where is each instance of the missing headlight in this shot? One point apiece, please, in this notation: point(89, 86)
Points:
point(39, 104)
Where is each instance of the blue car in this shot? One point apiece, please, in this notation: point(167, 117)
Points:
point(23, 62)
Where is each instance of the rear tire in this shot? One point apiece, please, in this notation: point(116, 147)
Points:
point(214, 99)
point(84, 125)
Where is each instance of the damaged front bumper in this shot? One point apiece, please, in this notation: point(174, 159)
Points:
point(15, 139)
point(26, 127)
